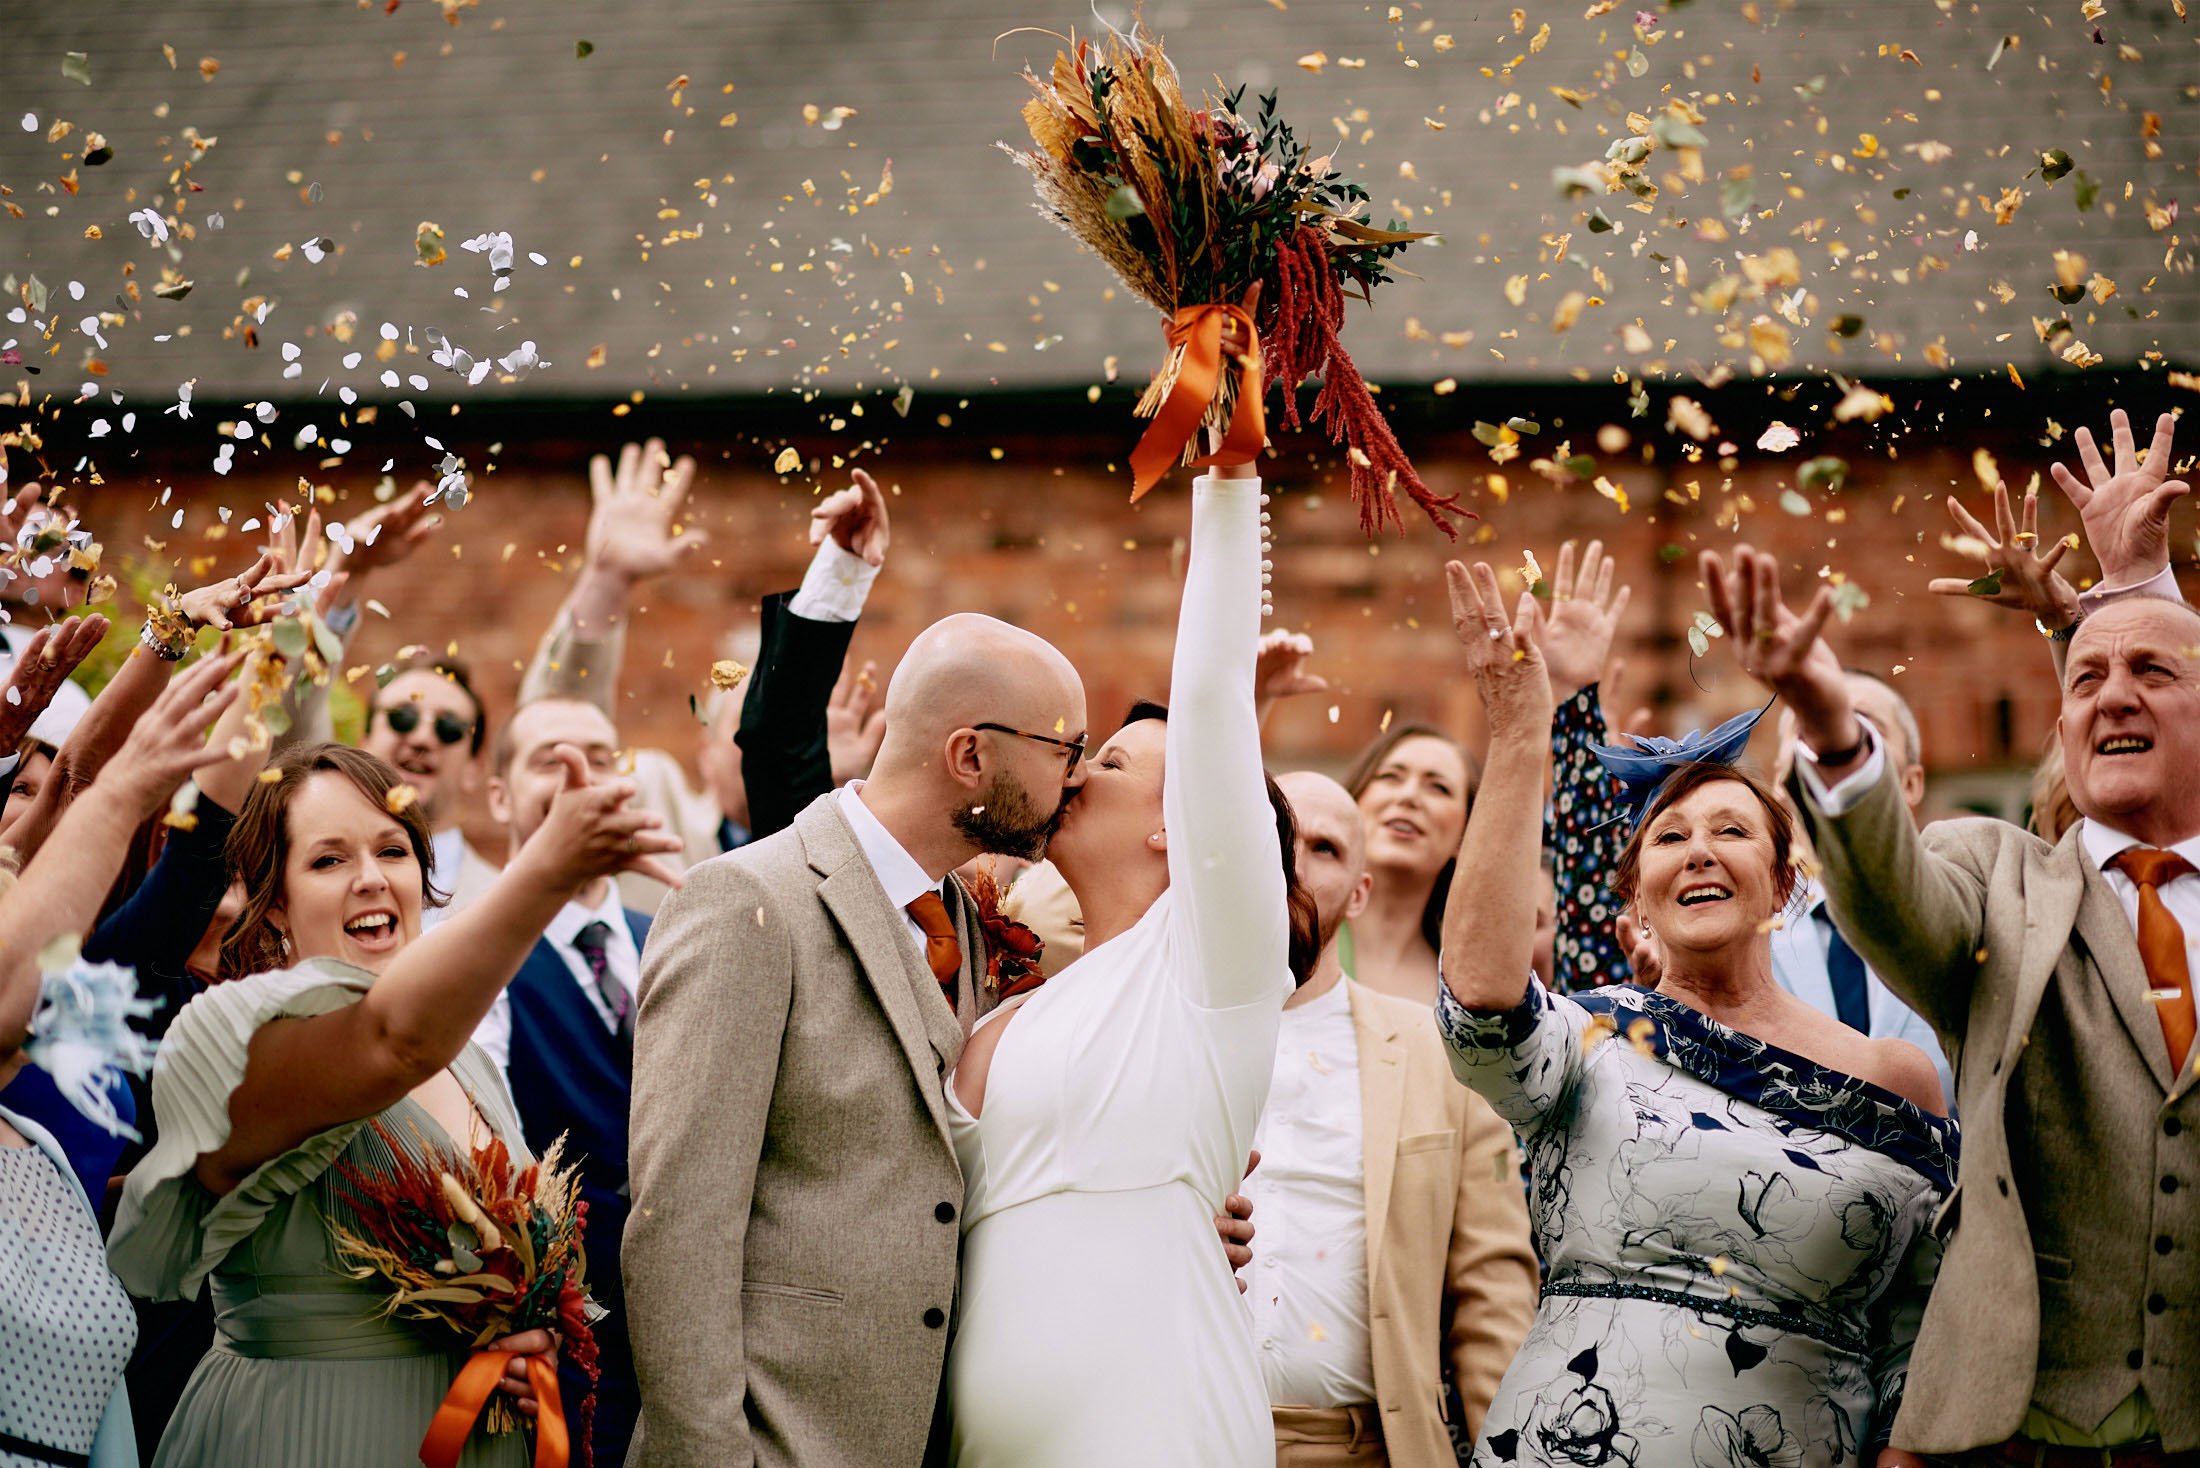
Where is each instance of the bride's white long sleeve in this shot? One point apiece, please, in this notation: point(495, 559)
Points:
point(1225, 867)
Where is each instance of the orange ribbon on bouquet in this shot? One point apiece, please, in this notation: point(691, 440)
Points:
point(1198, 330)
point(463, 1404)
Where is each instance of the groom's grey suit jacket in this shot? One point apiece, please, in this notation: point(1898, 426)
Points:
point(790, 1263)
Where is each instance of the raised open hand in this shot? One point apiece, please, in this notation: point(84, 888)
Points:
point(854, 728)
point(2019, 574)
point(1279, 669)
point(44, 665)
point(855, 518)
point(2125, 512)
point(1576, 635)
point(246, 599)
point(15, 509)
point(594, 830)
point(168, 741)
point(1502, 654)
point(1785, 652)
point(385, 534)
point(632, 528)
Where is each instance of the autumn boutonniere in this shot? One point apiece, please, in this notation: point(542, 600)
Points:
point(1011, 949)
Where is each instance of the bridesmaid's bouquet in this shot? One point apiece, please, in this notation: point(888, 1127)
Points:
point(473, 1249)
point(1211, 214)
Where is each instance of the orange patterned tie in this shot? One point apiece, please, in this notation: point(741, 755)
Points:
point(2162, 944)
point(941, 950)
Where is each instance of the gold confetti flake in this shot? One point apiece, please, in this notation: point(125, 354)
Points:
point(789, 460)
point(400, 799)
point(726, 673)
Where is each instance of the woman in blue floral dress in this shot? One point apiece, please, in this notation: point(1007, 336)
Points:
point(1733, 1194)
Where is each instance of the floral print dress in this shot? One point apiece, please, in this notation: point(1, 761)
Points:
point(1585, 833)
point(1737, 1238)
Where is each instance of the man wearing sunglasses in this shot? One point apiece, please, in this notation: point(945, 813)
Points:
point(427, 722)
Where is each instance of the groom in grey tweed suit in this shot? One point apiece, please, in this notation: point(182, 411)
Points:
point(790, 1263)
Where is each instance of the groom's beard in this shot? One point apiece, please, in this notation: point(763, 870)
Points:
point(1009, 822)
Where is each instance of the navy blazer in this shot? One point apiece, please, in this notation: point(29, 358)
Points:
point(571, 1077)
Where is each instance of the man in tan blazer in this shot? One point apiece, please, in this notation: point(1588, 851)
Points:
point(2065, 1326)
point(1394, 1232)
point(790, 1262)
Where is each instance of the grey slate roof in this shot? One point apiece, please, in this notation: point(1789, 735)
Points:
point(495, 124)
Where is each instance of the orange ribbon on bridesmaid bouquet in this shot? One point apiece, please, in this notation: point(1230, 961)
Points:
point(463, 1404)
point(1198, 330)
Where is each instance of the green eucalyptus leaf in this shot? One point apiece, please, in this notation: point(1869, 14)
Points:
point(1736, 195)
point(1671, 132)
point(1825, 472)
point(1794, 503)
point(290, 637)
point(1124, 203)
point(2054, 163)
point(1987, 585)
point(1849, 599)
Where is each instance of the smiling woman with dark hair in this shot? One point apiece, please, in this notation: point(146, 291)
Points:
point(338, 1033)
point(1731, 1191)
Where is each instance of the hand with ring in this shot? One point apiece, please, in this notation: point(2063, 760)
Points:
point(1577, 636)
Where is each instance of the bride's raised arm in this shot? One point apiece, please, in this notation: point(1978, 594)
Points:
point(1225, 867)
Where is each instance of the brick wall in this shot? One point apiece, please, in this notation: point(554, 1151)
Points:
point(1042, 535)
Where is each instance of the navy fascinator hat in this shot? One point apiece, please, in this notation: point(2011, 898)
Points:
point(1644, 767)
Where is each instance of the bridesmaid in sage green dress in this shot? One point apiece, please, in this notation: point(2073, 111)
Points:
point(265, 1084)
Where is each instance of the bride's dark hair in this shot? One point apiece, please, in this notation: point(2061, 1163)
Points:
point(1306, 943)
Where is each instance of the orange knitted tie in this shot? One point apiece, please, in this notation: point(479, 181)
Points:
point(2162, 944)
point(941, 950)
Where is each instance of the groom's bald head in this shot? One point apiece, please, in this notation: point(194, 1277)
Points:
point(970, 669)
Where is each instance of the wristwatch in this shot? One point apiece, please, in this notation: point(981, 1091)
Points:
point(2059, 634)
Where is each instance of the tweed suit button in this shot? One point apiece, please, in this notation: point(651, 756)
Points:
point(2169, 1185)
point(2156, 1304)
point(2171, 1126)
point(935, 1317)
point(2163, 1244)
point(945, 1213)
point(2135, 1360)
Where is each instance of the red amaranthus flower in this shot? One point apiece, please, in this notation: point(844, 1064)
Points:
point(1011, 949)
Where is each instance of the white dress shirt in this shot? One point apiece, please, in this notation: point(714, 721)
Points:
point(1800, 966)
point(2181, 895)
point(835, 586)
point(448, 848)
point(494, 1034)
point(1309, 1287)
point(897, 871)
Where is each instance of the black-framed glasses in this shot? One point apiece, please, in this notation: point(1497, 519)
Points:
point(1076, 747)
point(449, 727)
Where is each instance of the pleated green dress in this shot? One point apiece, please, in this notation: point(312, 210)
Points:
point(302, 1371)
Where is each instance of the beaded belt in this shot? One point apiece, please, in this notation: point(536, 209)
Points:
point(1852, 1341)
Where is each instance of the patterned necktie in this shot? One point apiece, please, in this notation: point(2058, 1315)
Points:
point(1852, 1003)
point(941, 951)
point(593, 942)
point(2162, 944)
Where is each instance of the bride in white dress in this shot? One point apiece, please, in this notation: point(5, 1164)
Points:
point(1101, 1121)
